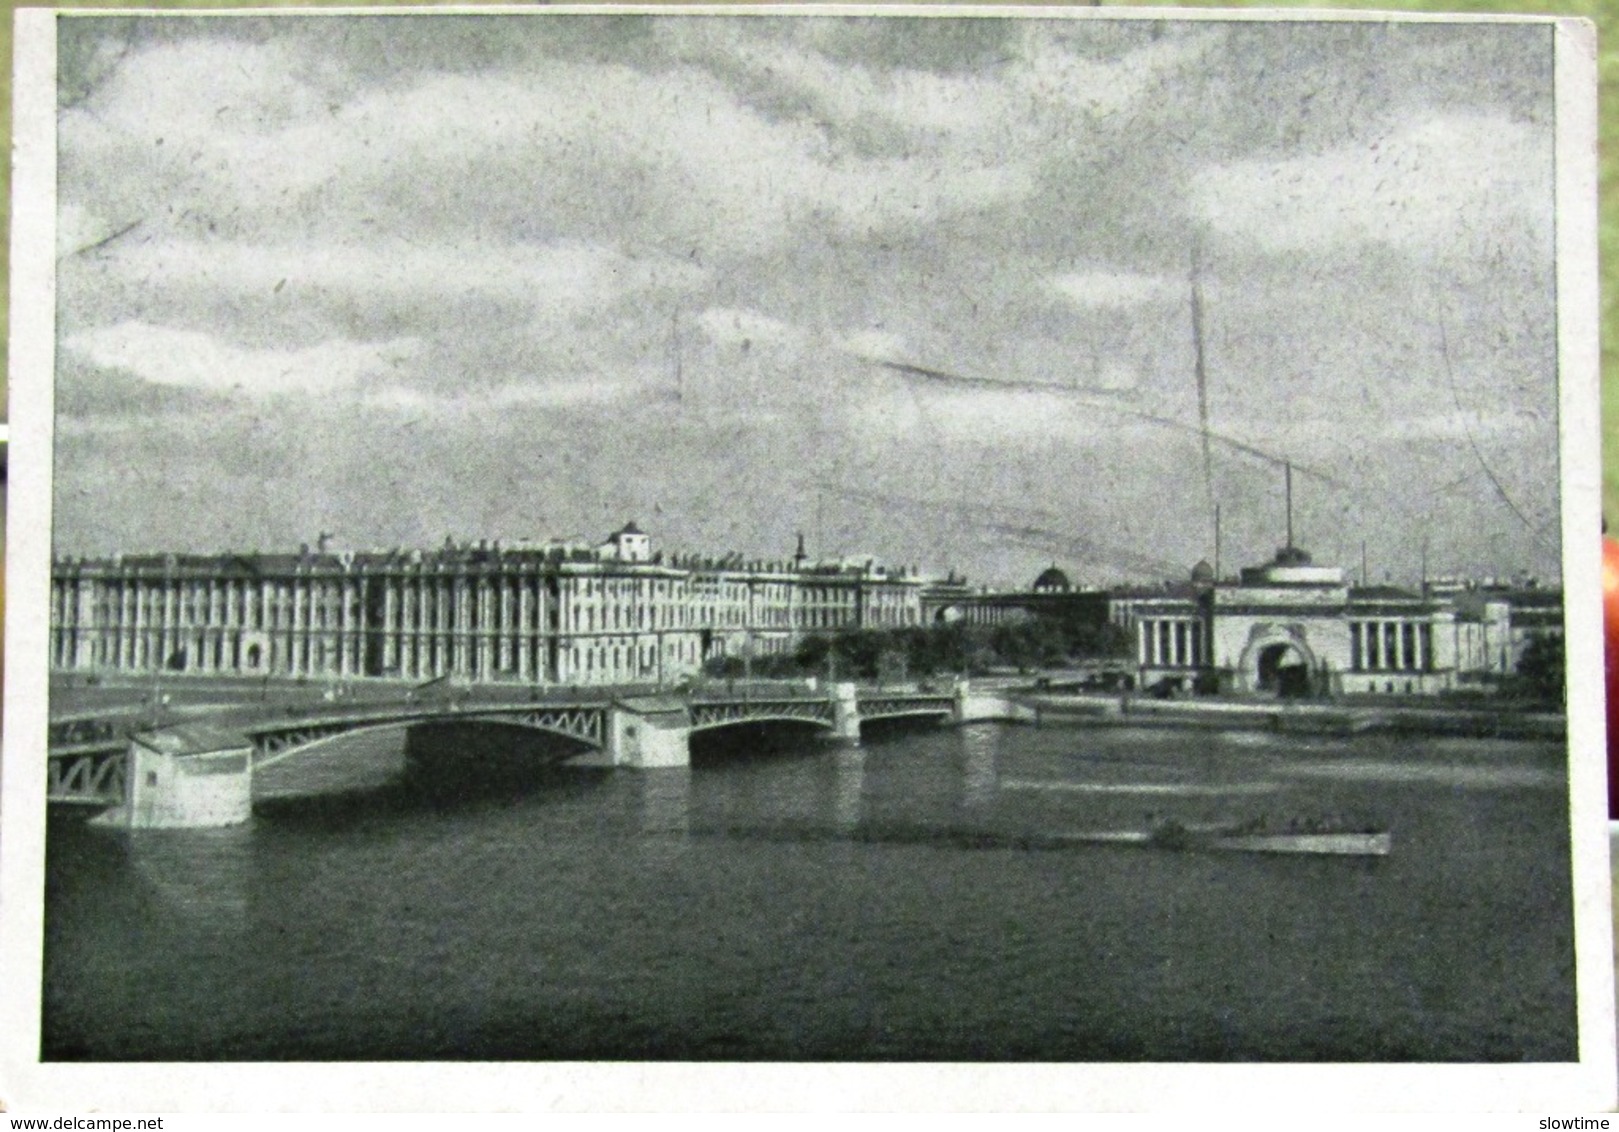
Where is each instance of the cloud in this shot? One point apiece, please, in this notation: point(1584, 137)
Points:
point(571, 145)
point(882, 344)
point(1104, 87)
point(561, 393)
point(1447, 430)
point(732, 327)
point(1115, 290)
point(558, 278)
point(894, 108)
point(189, 358)
point(1426, 186)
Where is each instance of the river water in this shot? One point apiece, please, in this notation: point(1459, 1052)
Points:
point(793, 901)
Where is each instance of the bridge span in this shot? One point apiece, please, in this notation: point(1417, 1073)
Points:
point(198, 771)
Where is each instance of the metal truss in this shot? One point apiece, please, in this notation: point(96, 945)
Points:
point(887, 707)
point(91, 778)
point(69, 733)
point(710, 713)
point(588, 724)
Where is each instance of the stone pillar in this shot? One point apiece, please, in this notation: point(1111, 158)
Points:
point(962, 691)
point(172, 782)
point(295, 620)
point(527, 631)
point(648, 740)
point(142, 607)
point(392, 634)
point(845, 714)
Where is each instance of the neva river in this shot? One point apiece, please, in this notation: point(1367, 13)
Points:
point(811, 903)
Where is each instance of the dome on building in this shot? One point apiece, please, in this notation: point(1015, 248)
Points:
point(1052, 580)
point(1292, 556)
point(1203, 574)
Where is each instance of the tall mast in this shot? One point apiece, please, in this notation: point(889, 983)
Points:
point(1216, 542)
point(1201, 374)
point(674, 345)
point(820, 531)
point(1289, 466)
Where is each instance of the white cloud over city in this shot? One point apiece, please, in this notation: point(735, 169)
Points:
point(530, 276)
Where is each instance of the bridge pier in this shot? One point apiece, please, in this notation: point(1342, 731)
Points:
point(187, 777)
point(648, 732)
point(984, 707)
point(845, 715)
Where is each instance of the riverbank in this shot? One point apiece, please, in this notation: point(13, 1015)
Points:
point(1293, 718)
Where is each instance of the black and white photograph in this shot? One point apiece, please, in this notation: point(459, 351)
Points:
point(841, 536)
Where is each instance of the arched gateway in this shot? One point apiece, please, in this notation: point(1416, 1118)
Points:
point(1278, 661)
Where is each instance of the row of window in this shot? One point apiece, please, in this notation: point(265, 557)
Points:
point(446, 616)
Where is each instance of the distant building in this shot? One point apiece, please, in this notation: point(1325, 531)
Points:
point(618, 613)
point(1051, 596)
point(1291, 627)
point(627, 544)
point(1052, 581)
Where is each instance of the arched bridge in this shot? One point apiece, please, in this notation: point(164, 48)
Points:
point(102, 759)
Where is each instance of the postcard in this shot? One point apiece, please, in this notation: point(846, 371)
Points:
point(887, 557)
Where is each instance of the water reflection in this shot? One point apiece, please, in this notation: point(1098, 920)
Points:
point(198, 878)
point(979, 779)
point(849, 768)
point(810, 903)
point(665, 800)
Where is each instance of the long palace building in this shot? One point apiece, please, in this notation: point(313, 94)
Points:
point(550, 614)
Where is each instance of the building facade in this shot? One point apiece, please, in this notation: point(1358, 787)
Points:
point(1291, 627)
point(1052, 597)
point(617, 613)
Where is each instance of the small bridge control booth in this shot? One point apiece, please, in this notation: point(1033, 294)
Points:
point(191, 775)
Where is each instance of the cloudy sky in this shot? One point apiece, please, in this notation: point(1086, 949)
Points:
point(919, 288)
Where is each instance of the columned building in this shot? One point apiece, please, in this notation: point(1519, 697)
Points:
point(1052, 596)
point(612, 614)
point(1294, 628)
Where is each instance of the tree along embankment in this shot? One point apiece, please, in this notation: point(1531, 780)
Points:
point(1296, 718)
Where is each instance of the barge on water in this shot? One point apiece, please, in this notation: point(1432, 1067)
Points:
point(1317, 841)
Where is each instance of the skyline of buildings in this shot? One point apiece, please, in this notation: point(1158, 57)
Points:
point(624, 612)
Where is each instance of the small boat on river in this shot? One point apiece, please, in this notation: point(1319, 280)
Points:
point(1313, 839)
